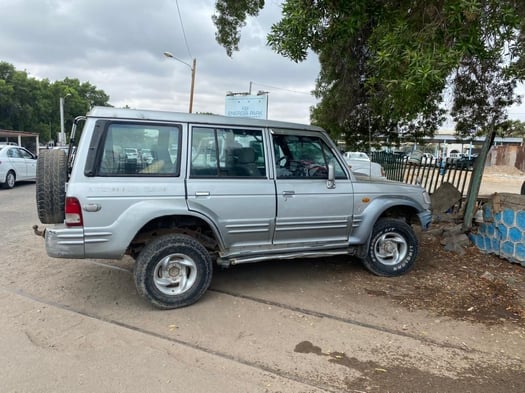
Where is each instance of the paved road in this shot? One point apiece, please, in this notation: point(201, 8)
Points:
point(301, 326)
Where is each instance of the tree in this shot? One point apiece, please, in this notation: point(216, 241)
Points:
point(28, 104)
point(386, 64)
point(511, 128)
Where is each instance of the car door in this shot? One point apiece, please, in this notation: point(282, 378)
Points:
point(30, 163)
point(18, 163)
point(228, 182)
point(309, 210)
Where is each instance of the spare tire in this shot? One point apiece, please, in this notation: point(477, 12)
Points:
point(51, 177)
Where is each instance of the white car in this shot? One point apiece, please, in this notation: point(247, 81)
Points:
point(131, 153)
point(356, 155)
point(16, 164)
point(367, 168)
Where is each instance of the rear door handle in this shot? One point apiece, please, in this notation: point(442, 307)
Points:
point(288, 194)
point(202, 193)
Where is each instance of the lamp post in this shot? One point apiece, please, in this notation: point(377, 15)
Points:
point(192, 68)
point(62, 136)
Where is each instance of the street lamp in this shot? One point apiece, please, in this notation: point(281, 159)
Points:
point(192, 68)
point(62, 136)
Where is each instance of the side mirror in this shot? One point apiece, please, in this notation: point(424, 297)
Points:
point(331, 176)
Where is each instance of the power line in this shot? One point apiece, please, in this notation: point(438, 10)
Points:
point(282, 88)
point(183, 32)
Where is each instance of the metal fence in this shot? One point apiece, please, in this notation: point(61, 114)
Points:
point(428, 172)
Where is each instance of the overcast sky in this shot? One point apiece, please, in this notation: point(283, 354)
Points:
point(118, 47)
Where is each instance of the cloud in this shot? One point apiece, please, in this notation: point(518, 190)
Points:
point(118, 47)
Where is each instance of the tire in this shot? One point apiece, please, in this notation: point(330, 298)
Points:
point(393, 248)
point(10, 180)
point(173, 271)
point(51, 177)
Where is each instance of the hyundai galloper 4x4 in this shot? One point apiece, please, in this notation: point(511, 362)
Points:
point(216, 190)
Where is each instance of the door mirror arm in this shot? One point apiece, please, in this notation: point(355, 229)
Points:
point(331, 176)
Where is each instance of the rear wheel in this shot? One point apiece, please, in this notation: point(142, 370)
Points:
point(173, 271)
point(10, 180)
point(393, 248)
point(51, 177)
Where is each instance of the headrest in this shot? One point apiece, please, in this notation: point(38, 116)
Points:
point(244, 155)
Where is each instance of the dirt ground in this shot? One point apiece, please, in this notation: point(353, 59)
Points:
point(473, 286)
point(455, 323)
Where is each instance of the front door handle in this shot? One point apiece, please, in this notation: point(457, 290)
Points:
point(288, 194)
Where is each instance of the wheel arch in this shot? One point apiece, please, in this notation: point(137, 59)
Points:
point(401, 209)
point(194, 225)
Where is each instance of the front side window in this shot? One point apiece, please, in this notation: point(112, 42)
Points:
point(299, 156)
point(223, 152)
point(140, 150)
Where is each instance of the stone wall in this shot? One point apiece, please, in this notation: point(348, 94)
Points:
point(502, 231)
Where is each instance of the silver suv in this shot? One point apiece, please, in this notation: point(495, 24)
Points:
point(216, 191)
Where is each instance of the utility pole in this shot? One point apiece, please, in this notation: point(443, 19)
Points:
point(62, 136)
point(192, 68)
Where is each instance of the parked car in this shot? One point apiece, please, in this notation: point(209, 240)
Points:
point(16, 164)
point(421, 158)
point(356, 155)
point(364, 167)
point(131, 153)
point(234, 190)
point(147, 156)
point(465, 161)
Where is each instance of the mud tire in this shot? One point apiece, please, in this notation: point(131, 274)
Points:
point(393, 248)
point(173, 271)
point(51, 177)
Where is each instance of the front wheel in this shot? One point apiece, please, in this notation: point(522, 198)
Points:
point(393, 248)
point(173, 271)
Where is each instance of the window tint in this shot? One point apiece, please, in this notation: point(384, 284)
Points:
point(299, 156)
point(13, 153)
point(140, 150)
point(221, 152)
point(25, 154)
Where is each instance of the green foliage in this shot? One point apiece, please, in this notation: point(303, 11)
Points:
point(511, 128)
point(231, 18)
point(388, 66)
point(28, 104)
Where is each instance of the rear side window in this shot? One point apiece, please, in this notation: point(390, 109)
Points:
point(139, 150)
point(224, 152)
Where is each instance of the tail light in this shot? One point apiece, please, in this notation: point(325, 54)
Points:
point(73, 213)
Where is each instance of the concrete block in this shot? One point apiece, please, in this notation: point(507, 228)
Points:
point(445, 197)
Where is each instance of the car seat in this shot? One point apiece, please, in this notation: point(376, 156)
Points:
point(244, 162)
point(160, 153)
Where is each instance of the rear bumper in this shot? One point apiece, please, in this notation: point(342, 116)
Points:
point(63, 242)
